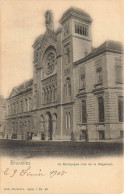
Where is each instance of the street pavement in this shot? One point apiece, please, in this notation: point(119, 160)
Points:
point(68, 149)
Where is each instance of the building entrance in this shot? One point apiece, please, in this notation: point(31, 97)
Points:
point(49, 125)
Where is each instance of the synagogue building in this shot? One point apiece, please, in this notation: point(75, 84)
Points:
point(76, 92)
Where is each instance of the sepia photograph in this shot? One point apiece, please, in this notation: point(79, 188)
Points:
point(61, 97)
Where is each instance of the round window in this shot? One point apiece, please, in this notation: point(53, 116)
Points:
point(51, 61)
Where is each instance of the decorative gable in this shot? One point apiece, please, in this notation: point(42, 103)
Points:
point(49, 39)
point(13, 93)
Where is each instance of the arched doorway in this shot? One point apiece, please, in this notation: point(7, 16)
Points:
point(49, 126)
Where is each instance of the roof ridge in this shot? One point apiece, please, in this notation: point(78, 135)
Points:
point(24, 82)
point(105, 46)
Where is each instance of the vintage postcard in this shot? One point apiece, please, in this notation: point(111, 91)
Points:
point(61, 97)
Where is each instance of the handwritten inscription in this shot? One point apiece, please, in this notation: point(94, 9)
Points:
point(29, 172)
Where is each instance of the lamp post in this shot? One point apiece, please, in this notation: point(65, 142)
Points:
point(87, 136)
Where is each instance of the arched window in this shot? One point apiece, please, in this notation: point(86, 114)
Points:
point(67, 120)
point(68, 87)
point(42, 123)
point(82, 80)
point(84, 111)
point(50, 94)
point(101, 108)
point(53, 93)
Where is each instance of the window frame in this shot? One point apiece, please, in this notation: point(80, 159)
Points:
point(103, 115)
point(121, 117)
point(83, 119)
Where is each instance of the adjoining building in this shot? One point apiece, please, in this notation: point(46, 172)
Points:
point(76, 92)
point(2, 116)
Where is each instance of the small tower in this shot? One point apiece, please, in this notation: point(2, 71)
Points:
point(49, 20)
point(76, 25)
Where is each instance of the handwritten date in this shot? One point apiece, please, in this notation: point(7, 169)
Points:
point(29, 172)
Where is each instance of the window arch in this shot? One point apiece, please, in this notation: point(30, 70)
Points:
point(67, 120)
point(101, 108)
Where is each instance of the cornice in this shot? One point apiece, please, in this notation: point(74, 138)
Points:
point(92, 55)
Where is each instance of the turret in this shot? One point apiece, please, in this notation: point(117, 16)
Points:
point(49, 20)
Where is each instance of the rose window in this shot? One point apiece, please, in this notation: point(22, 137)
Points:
point(51, 61)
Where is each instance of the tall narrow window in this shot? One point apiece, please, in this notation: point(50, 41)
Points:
point(26, 104)
point(21, 106)
point(84, 111)
point(82, 80)
point(76, 29)
point(119, 74)
point(25, 126)
point(28, 125)
point(69, 120)
point(99, 75)
point(68, 87)
point(16, 107)
point(66, 120)
point(101, 109)
point(120, 108)
point(81, 29)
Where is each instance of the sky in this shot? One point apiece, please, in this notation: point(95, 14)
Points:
point(21, 21)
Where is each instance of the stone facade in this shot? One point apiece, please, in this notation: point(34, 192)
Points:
point(76, 92)
point(2, 116)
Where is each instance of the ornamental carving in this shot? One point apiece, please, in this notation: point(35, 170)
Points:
point(66, 71)
point(66, 30)
point(50, 80)
point(48, 39)
point(67, 56)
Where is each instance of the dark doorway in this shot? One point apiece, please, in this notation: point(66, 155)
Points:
point(101, 135)
point(83, 135)
point(50, 130)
